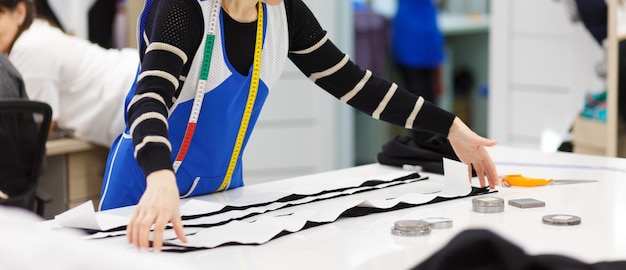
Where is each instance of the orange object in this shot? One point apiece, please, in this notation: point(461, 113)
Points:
point(519, 180)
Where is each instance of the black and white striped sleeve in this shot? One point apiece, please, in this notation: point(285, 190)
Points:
point(170, 35)
point(324, 64)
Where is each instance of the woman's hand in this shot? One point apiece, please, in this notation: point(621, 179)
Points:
point(470, 148)
point(159, 205)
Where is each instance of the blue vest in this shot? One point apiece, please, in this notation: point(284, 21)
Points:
point(209, 153)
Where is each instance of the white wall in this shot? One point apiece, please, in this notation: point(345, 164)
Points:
point(302, 129)
point(541, 65)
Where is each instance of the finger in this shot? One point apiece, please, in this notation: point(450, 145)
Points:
point(144, 231)
point(130, 227)
point(157, 235)
point(480, 173)
point(492, 174)
point(178, 228)
point(135, 228)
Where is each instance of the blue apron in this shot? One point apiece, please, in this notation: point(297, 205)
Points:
point(209, 153)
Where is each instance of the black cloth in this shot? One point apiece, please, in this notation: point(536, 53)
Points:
point(427, 152)
point(101, 18)
point(593, 13)
point(479, 249)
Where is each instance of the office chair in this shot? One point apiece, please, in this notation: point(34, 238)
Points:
point(24, 126)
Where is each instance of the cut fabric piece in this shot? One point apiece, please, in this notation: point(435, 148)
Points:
point(238, 210)
point(253, 221)
point(267, 228)
point(485, 250)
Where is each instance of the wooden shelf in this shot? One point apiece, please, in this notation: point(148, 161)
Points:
point(65, 146)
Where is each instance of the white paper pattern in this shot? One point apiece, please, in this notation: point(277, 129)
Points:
point(265, 227)
point(84, 216)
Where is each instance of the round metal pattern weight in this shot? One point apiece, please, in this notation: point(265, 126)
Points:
point(488, 204)
point(410, 228)
point(561, 220)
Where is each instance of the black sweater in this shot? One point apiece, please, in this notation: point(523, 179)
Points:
point(179, 23)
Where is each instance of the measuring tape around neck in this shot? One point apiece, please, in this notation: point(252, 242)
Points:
point(254, 87)
point(200, 91)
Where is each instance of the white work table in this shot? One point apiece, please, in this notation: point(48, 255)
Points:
point(366, 242)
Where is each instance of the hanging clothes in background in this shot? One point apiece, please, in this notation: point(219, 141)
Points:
point(372, 32)
point(100, 20)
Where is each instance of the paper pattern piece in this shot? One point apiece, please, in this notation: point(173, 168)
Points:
point(237, 232)
point(84, 216)
point(456, 179)
point(250, 220)
point(456, 184)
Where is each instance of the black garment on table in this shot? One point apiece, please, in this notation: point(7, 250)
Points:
point(427, 152)
point(479, 249)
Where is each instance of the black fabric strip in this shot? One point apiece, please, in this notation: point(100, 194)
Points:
point(293, 197)
point(288, 198)
point(352, 212)
point(297, 197)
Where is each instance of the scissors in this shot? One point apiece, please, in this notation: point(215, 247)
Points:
point(523, 181)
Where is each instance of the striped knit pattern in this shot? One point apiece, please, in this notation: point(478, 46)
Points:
point(168, 49)
point(332, 70)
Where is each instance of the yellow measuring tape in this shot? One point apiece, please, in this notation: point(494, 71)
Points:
point(254, 87)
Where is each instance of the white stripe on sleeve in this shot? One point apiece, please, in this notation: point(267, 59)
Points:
point(160, 46)
point(160, 74)
point(147, 116)
point(411, 120)
point(314, 47)
point(318, 75)
point(385, 101)
point(152, 139)
point(357, 88)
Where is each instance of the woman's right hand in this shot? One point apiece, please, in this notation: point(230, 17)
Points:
point(471, 150)
point(159, 204)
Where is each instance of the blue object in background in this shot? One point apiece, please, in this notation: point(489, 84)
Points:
point(484, 91)
point(595, 106)
point(417, 40)
point(360, 5)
